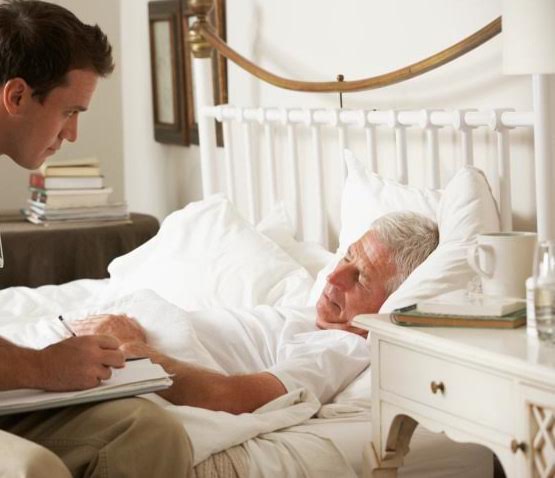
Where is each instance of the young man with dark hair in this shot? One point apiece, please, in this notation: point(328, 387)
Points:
point(50, 63)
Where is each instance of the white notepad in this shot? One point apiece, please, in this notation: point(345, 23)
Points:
point(137, 377)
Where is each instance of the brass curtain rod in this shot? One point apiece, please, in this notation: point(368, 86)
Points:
point(445, 56)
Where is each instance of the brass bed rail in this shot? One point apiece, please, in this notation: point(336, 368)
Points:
point(203, 37)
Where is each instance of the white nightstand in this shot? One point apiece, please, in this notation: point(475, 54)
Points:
point(487, 386)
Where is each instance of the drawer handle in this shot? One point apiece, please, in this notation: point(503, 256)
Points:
point(437, 387)
point(516, 445)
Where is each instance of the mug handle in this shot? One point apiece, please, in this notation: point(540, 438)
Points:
point(473, 260)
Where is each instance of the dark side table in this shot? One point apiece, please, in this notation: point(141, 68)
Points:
point(36, 255)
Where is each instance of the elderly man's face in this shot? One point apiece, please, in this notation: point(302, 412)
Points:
point(356, 286)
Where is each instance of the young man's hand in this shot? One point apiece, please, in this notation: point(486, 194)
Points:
point(76, 363)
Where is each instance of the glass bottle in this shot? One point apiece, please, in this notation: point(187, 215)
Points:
point(544, 290)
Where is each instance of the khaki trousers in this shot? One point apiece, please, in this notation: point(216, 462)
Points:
point(20, 458)
point(130, 437)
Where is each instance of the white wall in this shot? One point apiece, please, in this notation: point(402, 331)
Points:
point(158, 178)
point(317, 39)
point(100, 128)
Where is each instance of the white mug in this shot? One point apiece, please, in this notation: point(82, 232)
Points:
point(504, 261)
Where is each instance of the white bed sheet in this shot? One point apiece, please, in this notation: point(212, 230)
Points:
point(25, 304)
point(341, 440)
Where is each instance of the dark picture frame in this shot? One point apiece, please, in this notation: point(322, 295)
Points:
point(168, 72)
point(174, 112)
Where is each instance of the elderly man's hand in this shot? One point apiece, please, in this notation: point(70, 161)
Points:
point(325, 325)
point(125, 329)
point(138, 349)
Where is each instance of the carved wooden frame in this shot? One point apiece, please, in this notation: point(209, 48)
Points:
point(180, 127)
point(164, 17)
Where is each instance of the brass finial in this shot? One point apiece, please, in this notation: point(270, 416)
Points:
point(200, 48)
point(340, 78)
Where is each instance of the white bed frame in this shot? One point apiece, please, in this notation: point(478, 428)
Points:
point(342, 121)
point(262, 127)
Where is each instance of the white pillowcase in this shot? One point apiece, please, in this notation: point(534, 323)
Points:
point(464, 209)
point(205, 256)
point(467, 208)
point(276, 225)
point(367, 196)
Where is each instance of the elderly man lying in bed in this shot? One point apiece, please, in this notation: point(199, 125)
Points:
point(237, 361)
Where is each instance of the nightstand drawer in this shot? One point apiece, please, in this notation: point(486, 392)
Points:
point(460, 390)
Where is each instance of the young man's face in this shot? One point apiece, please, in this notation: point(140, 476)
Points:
point(356, 286)
point(43, 127)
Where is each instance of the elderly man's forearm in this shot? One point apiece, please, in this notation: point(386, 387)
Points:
point(204, 388)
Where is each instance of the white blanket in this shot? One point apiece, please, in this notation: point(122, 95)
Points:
point(314, 366)
point(19, 304)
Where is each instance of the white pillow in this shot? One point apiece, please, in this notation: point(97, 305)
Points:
point(464, 209)
point(205, 256)
point(276, 225)
point(367, 196)
point(467, 208)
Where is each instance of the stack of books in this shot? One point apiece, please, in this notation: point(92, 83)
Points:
point(71, 190)
point(462, 309)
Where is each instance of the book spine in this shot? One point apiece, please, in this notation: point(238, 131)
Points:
point(36, 180)
point(38, 196)
point(74, 171)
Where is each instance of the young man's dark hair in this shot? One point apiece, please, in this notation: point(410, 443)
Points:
point(40, 42)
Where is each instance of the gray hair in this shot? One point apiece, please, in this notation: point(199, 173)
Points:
point(411, 238)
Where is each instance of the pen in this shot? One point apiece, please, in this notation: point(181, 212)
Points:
point(67, 327)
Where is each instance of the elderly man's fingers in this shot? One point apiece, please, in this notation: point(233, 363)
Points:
point(103, 317)
point(79, 325)
point(135, 349)
point(324, 324)
point(93, 318)
point(92, 322)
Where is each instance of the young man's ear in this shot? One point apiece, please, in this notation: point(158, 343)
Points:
point(14, 94)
